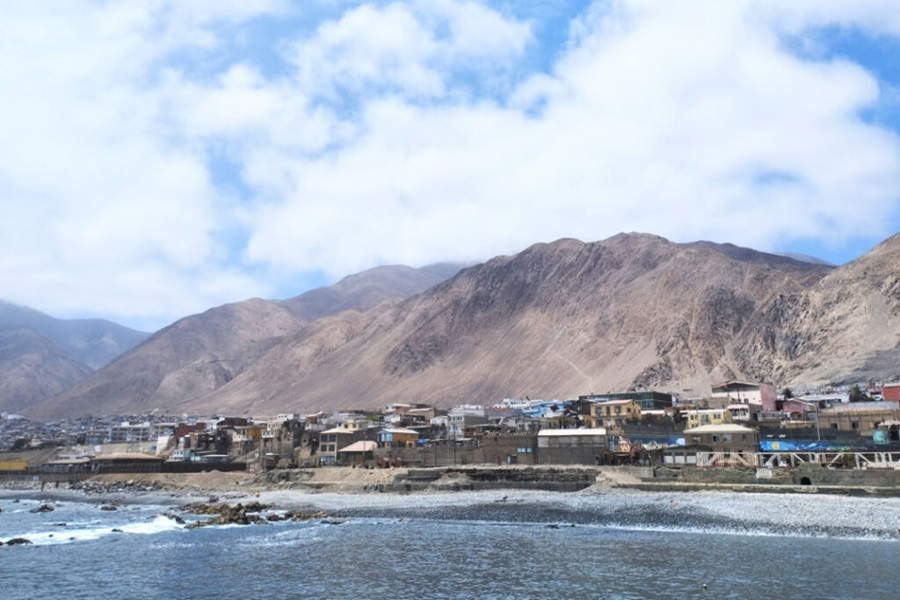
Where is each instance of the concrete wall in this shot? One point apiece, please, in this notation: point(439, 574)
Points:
point(809, 474)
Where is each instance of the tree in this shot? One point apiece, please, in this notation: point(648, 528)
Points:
point(787, 393)
point(857, 395)
point(21, 444)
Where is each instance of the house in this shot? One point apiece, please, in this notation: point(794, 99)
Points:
point(358, 453)
point(332, 441)
point(510, 448)
point(280, 437)
point(723, 438)
point(462, 424)
point(649, 400)
point(398, 437)
point(126, 432)
point(860, 417)
point(126, 462)
point(758, 394)
point(890, 392)
point(709, 416)
point(612, 414)
point(738, 413)
point(571, 446)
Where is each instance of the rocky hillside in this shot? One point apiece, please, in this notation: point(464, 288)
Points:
point(33, 366)
point(556, 320)
point(196, 356)
point(631, 312)
point(845, 329)
point(41, 356)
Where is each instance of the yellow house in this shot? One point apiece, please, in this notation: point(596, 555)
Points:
point(706, 416)
point(613, 413)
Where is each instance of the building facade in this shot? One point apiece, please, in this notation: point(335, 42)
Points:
point(761, 394)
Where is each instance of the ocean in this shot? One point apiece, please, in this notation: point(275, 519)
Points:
point(493, 545)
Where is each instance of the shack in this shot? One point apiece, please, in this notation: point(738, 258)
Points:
point(571, 446)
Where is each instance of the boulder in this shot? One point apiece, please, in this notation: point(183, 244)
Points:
point(18, 542)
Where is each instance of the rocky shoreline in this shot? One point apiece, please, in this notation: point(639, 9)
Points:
point(345, 480)
point(606, 497)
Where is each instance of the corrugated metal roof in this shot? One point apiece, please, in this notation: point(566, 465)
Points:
point(126, 456)
point(571, 432)
point(861, 407)
point(343, 430)
point(360, 446)
point(400, 430)
point(723, 428)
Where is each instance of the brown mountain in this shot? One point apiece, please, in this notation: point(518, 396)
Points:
point(557, 320)
point(93, 342)
point(845, 329)
point(33, 366)
point(197, 355)
point(41, 356)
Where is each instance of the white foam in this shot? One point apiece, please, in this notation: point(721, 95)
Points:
point(87, 531)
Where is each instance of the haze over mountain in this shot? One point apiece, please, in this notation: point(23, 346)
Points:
point(93, 342)
point(41, 356)
point(634, 311)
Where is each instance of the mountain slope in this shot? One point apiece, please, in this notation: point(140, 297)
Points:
point(199, 354)
point(33, 366)
point(845, 329)
point(94, 342)
point(556, 320)
point(365, 290)
point(634, 311)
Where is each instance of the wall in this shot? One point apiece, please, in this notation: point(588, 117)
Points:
point(819, 475)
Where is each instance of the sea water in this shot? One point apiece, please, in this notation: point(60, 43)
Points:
point(510, 546)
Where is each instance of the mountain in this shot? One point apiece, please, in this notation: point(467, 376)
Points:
point(41, 356)
point(33, 366)
point(807, 258)
point(556, 320)
point(197, 355)
point(364, 290)
point(845, 329)
point(93, 342)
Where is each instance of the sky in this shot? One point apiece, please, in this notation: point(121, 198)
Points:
point(163, 157)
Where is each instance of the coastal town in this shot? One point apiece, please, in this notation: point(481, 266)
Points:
point(742, 426)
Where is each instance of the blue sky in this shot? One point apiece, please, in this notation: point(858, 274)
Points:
point(165, 157)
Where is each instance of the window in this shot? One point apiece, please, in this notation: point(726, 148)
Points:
point(854, 425)
point(726, 437)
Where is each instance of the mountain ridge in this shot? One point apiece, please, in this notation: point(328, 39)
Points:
point(560, 319)
point(200, 353)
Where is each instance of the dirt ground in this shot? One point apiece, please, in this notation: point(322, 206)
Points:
point(337, 479)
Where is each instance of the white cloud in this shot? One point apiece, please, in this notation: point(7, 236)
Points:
point(103, 210)
point(653, 121)
point(409, 131)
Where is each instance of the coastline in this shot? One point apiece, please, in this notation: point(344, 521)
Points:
point(725, 509)
point(406, 481)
